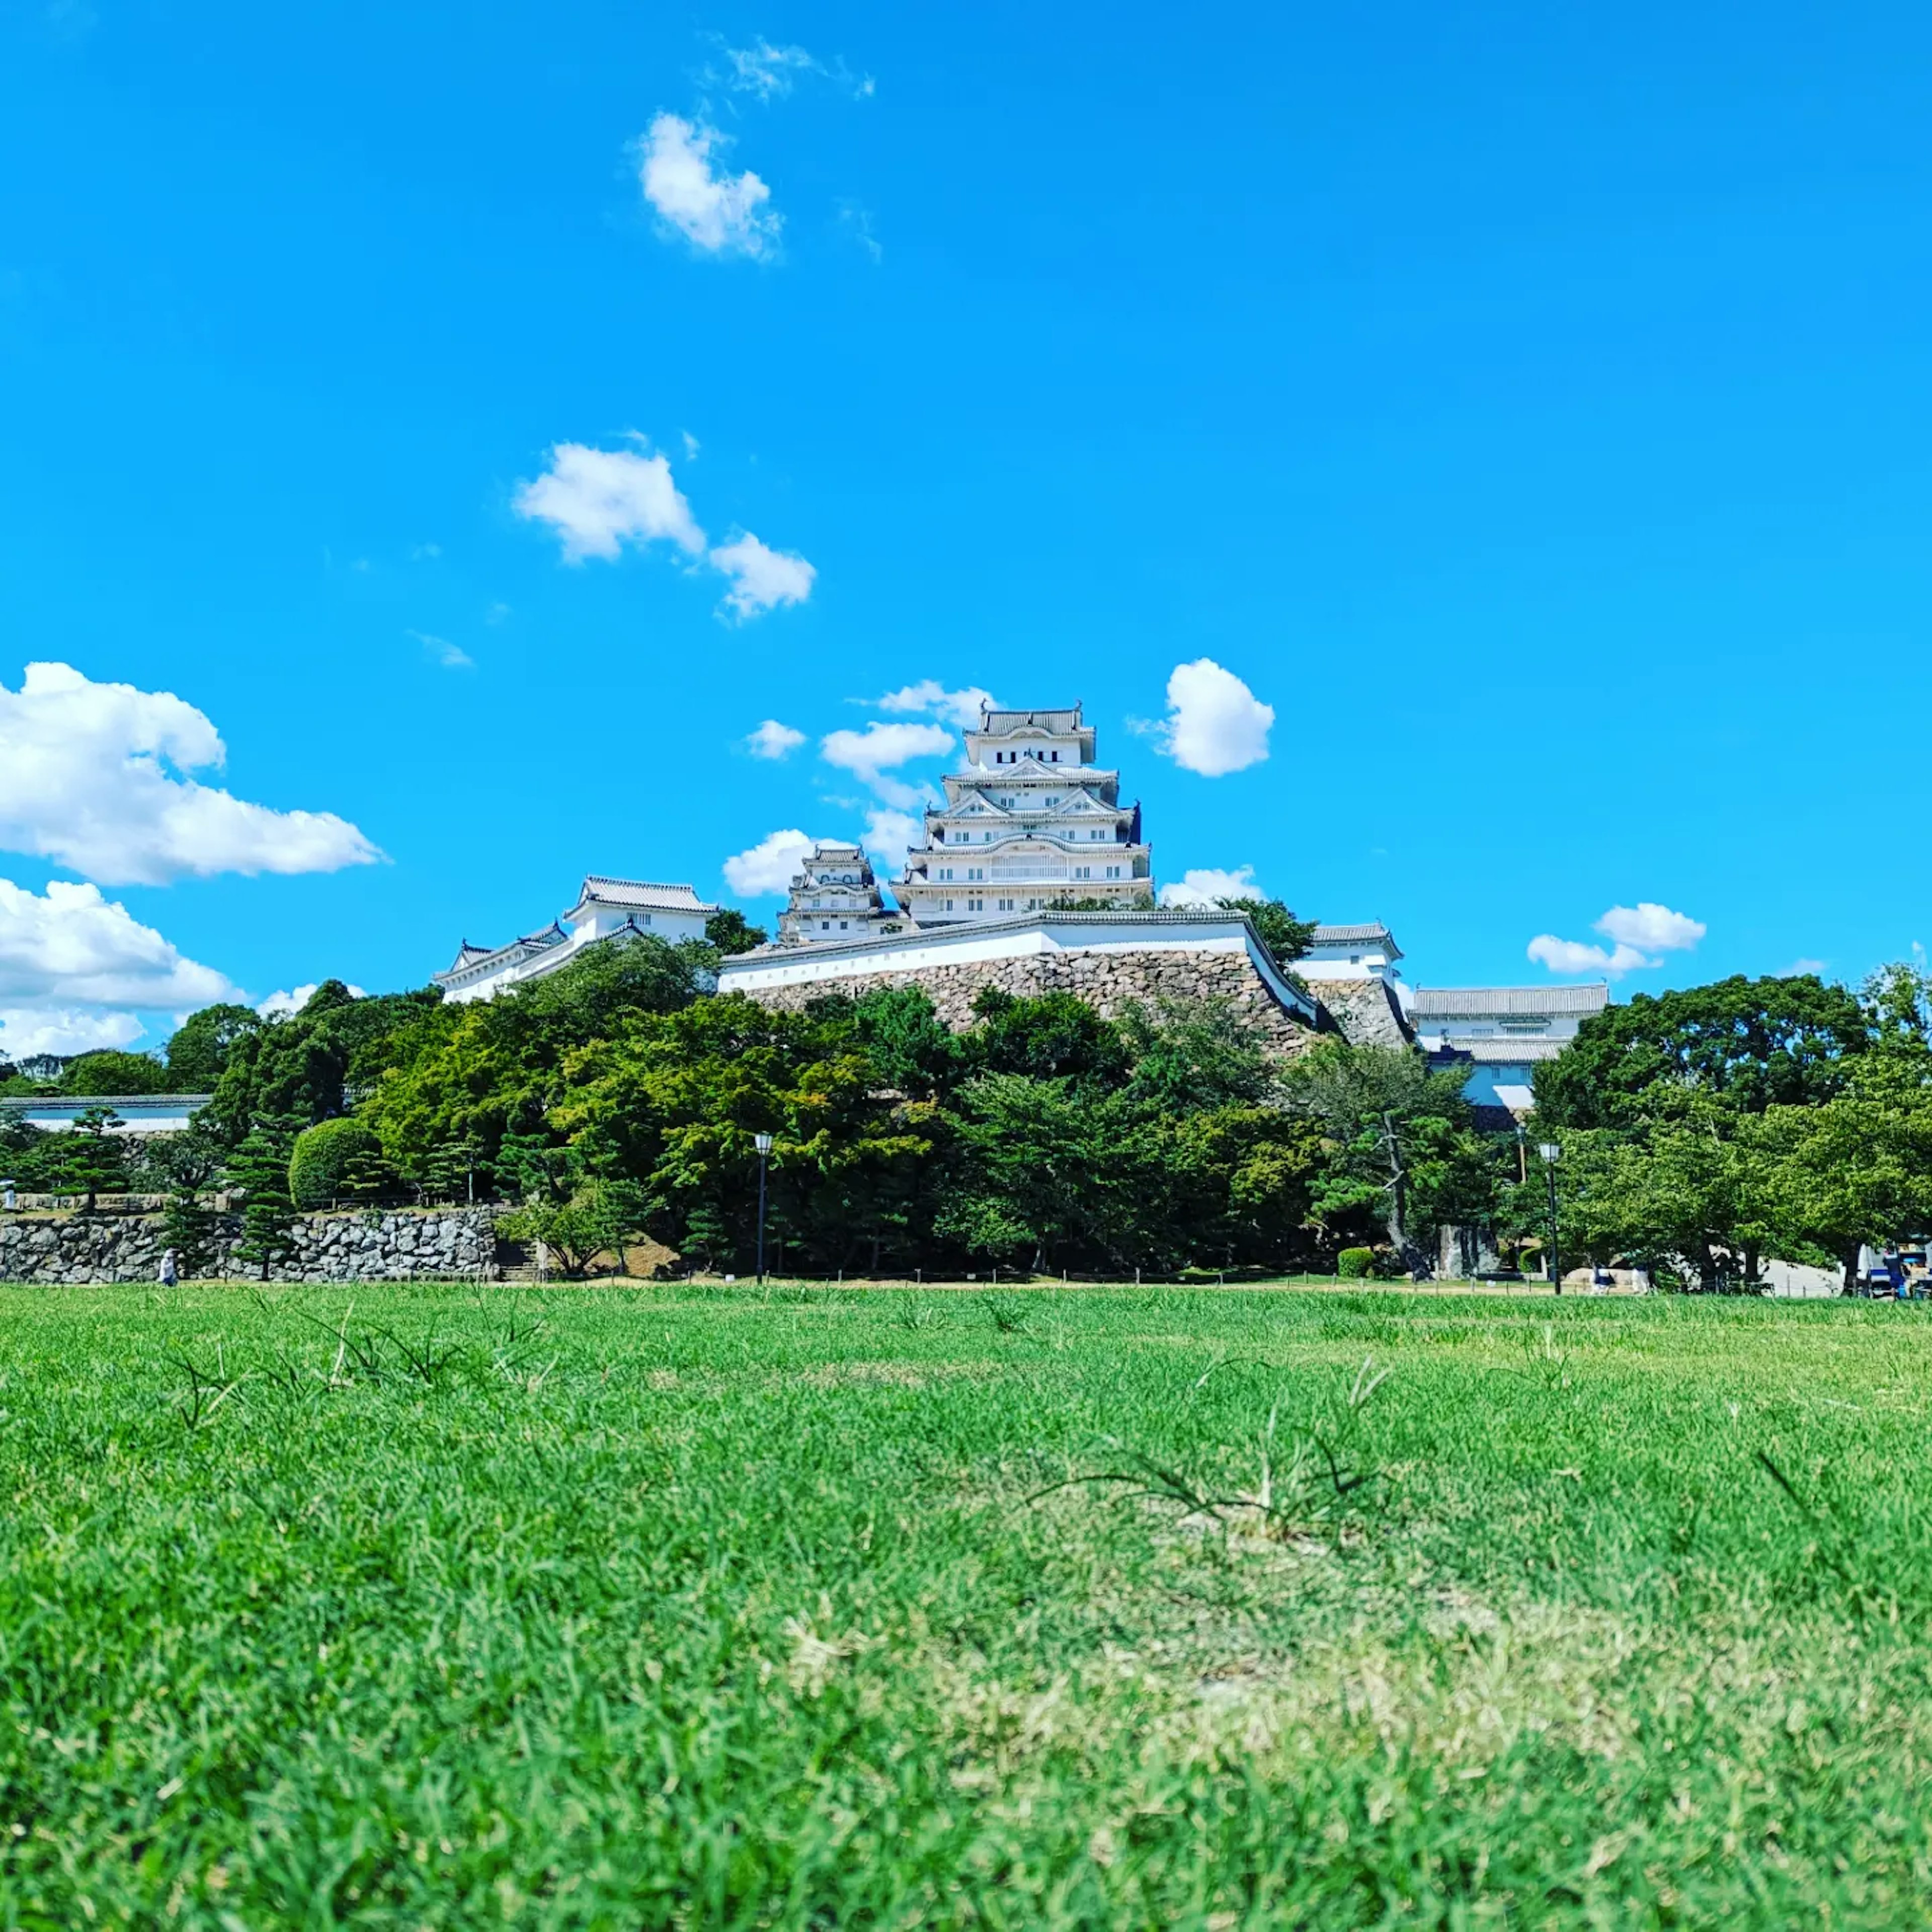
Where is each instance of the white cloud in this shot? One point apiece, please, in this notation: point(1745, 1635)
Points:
point(1574, 955)
point(90, 777)
point(1637, 932)
point(595, 499)
point(889, 835)
point(425, 552)
point(599, 500)
point(64, 1030)
point(930, 696)
point(280, 1006)
point(498, 613)
point(451, 657)
point(1208, 886)
point(718, 212)
point(69, 948)
point(761, 578)
point(768, 866)
point(1214, 724)
point(691, 445)
point(773, 740)
point(870, 754)
point(1801, 969)
point(1651, 928)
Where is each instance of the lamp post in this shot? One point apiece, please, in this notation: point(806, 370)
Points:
point(1552, 1153)
point(763, 1144)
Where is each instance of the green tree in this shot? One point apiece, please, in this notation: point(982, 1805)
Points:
point(109, 1072)
point(187, 1163)
point(198, 1050)
point(1401, 1155)
point(259, 1168)
point(729, 931)
point(89, 1159)
point(1286, 937)
point(1745, 1044)
point(1045, 1036)
point(323, 1156)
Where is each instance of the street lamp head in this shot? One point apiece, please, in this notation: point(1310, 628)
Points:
point(1549, 1151)
point(762, 1142)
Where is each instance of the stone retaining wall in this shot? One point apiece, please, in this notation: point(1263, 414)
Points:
point(1108, 980)
point(435, 1244)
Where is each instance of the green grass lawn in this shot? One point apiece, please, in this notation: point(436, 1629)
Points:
point(624, 1607)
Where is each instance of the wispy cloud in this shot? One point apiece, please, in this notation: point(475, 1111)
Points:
point(872, 755)
point(451, 657)
point(928, 696)
point(719, 213)
point(768, 72)
point(855, 221)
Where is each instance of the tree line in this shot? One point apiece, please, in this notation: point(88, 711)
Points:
point(619, 1098)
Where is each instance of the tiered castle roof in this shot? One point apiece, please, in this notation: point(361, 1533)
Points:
point(1029, 820)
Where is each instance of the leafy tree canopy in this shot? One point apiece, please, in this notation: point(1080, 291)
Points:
point(199, 1049)
point(109, 1072)
point(1286, 937)
point(729, 931)
point(1746, 1044)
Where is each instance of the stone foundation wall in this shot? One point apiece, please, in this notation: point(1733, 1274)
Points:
point(1108, 980)
point(1363, 1012)
point(437, 1244)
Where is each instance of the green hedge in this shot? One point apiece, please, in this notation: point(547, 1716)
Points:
point(1353, 1263)
point(318, 1169)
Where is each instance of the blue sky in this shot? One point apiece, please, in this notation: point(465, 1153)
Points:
point(1530, 409)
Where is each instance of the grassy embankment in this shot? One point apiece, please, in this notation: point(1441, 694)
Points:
point(606, 1607)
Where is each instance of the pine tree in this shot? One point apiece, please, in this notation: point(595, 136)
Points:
point(259, 1167)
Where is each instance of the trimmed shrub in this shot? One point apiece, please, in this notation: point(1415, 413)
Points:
point(1354, 1263)
point(319, 1168)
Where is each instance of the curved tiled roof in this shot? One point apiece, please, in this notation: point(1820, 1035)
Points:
point(600, 890)
point(1473, 1002)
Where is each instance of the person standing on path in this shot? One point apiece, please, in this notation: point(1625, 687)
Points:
point(170, 1274)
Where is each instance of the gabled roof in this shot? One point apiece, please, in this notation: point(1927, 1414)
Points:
point(1373, 934)
point(1477, 1002)
point(472, 957)
point(598, 890)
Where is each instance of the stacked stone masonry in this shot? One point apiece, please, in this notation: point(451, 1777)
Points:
point(72, 1250)
point(1363, 1012)
point(1109, 982)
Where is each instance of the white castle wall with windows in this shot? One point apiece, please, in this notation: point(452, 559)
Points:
point(605, 907)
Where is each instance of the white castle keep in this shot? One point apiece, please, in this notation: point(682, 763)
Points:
point(1031, 821)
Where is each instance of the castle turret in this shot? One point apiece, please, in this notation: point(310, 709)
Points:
point(834, 895)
